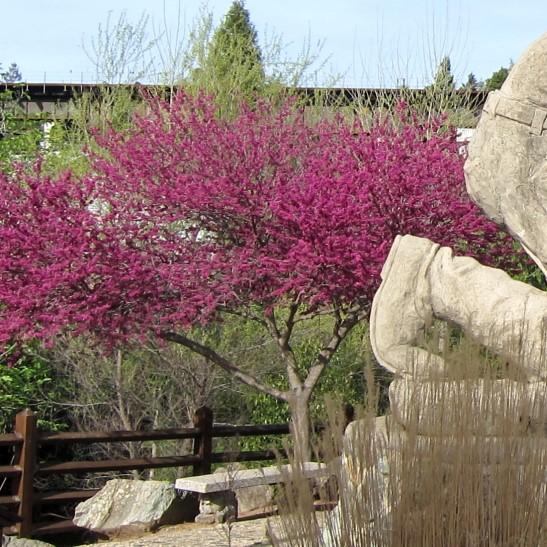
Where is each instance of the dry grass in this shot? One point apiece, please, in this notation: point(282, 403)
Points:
point(463, 463)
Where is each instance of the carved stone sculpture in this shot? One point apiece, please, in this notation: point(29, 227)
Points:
point(506, 174)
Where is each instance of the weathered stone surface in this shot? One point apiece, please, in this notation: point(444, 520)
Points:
point(127, 506)
point(217, 507)
point(421, 281)
point(364, 478)
point(402, 309)
point(254, 498)
point(10, 541)
point(506, 170)
point(243, 478)
point(476, 406)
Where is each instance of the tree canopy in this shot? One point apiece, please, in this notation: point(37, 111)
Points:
point(188, 216)
point(496, 80)
point(444, 80)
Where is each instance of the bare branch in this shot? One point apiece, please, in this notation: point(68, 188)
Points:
point(223, 363)
point(340, 331)
point(243, 315)
point(282, 339)
point(306, 315)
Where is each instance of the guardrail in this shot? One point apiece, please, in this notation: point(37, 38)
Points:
point(27, 441)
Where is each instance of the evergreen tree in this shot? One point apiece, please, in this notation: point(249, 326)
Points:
point(444, 80)
point(441, 95)
point(472, 84)
point(496, 80)
point(232, 69)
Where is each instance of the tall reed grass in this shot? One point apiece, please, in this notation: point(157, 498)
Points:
point(458, 462)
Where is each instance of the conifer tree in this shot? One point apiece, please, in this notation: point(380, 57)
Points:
point(11, 75)
point(472, 84)
point(233, 68)
point(496, 80)
point(444, 80)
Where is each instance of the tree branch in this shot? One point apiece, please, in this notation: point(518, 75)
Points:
point(223, 363)
point(282, 339)
point(340, 331)
point(244, 315)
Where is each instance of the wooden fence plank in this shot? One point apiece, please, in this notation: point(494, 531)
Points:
point(203, 445)
point(65, 496)
point(117, 436)
point(116, 465)
point(9, 501)
point(10, 470)
point(249, 430)
point(26, 442)
point(26, 427)
point(10, 439)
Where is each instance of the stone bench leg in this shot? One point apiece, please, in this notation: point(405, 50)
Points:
point(217, 507)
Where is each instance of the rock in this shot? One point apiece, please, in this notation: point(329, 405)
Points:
point(505, 169)
point(10, 541)
point(249, 498)
point(254, 498)
point(364, 484)
point(217, 507)
point(127, 506)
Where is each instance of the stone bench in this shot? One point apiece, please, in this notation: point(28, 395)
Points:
point(217, 490)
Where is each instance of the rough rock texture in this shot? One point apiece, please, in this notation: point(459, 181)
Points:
point(127, 506)
point(364, 477)
point(401, 309)
point(506, 175)
point(479, 406)
point(254, 497)
point(506, 170)
point(8, 541)
point(421, 281)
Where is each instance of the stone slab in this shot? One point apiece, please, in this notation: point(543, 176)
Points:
point(218, 482)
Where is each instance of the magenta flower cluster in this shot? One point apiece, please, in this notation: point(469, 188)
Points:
point(187, 215)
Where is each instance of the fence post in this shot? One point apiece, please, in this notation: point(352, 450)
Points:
point(203, 445)
point(25, 458)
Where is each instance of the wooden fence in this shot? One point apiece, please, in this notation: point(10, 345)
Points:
point(18, 510)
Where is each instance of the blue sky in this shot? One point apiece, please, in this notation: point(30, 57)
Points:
point(367, 42)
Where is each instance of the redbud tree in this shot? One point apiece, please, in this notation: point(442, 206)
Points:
point(187, 217)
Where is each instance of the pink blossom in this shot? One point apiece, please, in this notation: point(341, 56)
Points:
point(199, 214)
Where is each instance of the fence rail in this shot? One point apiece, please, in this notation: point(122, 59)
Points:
point(17, 511)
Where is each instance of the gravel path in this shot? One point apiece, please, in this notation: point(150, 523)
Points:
point(243, 534)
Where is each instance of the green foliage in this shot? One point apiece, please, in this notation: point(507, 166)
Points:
point(23, 140)
point(472, 83)
point(29, 383)
point(19, 137)
point(496, 80)
point(444, 80)
point(235, 59)
point(532, 275)
point(342, 380)
point(231, 69)
point(442, 97)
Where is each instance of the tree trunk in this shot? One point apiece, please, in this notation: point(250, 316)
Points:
point(300, 424)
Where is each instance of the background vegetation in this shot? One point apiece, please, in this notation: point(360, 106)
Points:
point(228, 63)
